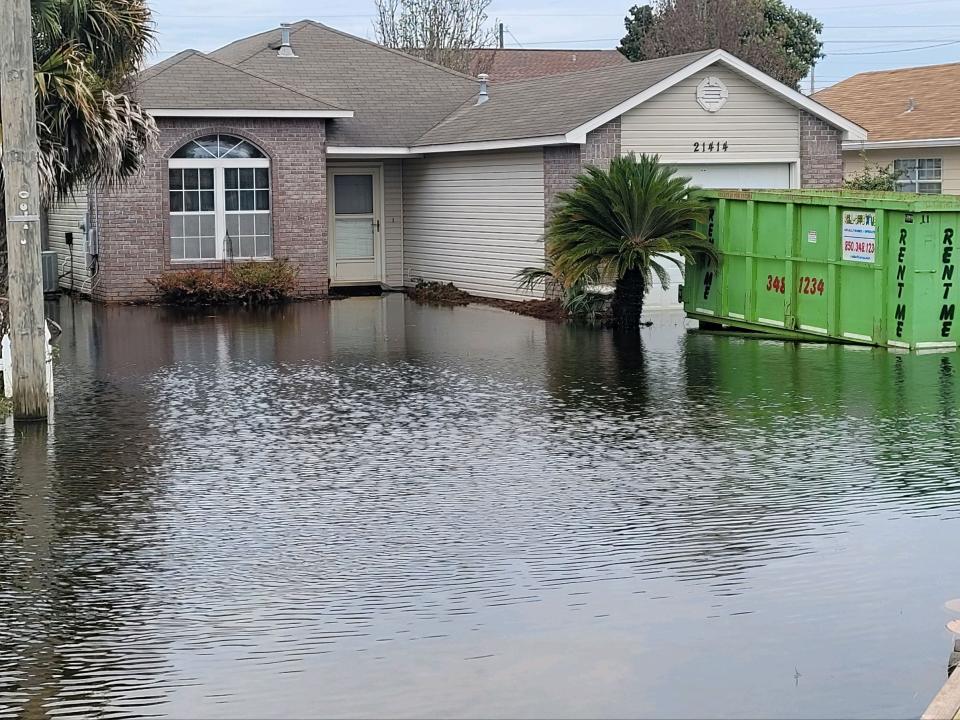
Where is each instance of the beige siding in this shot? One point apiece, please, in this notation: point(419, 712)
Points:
point(474, 219)
point(69, 216)
point(950, 157)
point(392, 220)
point(756, 125)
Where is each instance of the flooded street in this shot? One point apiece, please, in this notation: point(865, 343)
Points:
point(374, 508)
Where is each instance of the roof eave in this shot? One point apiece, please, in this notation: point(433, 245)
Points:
point(894, 144)
point(247, 112)
point(851, 131)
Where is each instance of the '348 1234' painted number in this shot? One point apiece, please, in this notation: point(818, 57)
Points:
point(777, 283)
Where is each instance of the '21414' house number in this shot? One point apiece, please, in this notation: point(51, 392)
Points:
point(710, 146)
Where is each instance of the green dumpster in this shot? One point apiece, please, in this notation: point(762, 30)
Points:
point(871, 268)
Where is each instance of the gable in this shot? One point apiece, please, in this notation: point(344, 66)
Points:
point(754, 123)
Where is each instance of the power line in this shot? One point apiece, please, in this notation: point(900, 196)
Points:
point(900, 50)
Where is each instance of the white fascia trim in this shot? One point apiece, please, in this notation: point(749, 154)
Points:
point(476, 146)
point(894, 144)
point(175, 112)
point(851, 131)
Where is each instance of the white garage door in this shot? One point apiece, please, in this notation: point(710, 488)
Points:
point(744, 175)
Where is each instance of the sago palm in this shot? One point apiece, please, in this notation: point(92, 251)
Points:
point(620, 226)
point(87, 128)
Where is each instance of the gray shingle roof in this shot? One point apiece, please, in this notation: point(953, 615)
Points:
point(395, 97)
point(191, 80)
point(551, 105)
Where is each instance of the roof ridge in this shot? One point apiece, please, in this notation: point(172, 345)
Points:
point(377, 45)
point(186, 52)
point(897, 70)
point(605, 69)
point(273, 82)
point(499, 49)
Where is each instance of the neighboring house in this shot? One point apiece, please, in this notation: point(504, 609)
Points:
point(512, 64)
point(365, 166)
point(913, 118)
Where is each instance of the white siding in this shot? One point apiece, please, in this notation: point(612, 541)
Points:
point(68, 216)
point(474, 219)
point(756, 125)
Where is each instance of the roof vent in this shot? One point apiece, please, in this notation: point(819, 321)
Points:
point(285, 50)
point(911, 105)
point(483, 96)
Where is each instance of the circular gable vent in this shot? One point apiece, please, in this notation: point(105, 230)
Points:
point(712, 94)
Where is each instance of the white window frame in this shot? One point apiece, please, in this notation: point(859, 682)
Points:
point(911, 183)
point(219, 200)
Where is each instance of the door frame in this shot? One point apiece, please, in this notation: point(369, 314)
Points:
point(379, 249)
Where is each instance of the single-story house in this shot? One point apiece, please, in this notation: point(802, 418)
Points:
point(913, 118)
point(366, 166)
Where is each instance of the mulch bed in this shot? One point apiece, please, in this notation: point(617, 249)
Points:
point(448, 295)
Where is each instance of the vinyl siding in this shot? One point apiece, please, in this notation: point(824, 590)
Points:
point(63, 217)
point(949, 156)
point(474, 220)
point(756, 125)
point(392, 220)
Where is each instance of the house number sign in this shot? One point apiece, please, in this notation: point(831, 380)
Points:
point(710, 146)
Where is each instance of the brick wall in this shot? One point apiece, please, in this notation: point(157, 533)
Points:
point(133, 220)
point(562, 163)
point(821, 156)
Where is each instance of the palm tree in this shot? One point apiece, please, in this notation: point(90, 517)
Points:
point(618, 226)
point(88, 130)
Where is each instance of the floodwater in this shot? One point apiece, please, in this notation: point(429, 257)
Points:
point(374, 508)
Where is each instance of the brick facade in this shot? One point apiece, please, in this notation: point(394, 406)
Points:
point(133, 220)
point(562, 163)
point(821, 155)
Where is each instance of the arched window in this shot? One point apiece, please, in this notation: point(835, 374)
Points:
point(220, 200)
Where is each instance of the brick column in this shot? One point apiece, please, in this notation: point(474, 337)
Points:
point(821, 154)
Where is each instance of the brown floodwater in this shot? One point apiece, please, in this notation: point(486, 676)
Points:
point(374, 508)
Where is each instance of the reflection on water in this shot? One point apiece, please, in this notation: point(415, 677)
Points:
point(369, 508)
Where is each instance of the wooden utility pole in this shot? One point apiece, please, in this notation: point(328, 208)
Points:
point(21, 176)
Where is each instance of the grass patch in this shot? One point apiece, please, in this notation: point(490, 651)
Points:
point(248, 283)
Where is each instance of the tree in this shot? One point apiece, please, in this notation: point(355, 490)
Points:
point(445, 32)
point(637, 23)
point(88, 130)
point(776, 38)
point(618, 226)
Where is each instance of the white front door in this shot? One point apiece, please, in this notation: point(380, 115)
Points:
point(356, 246)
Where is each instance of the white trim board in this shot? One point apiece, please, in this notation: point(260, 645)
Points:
point(895, 144)
point(476, 146)
point(851, 131)
point(240, 113)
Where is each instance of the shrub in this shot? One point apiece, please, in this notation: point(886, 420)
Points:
point(873, 177)
point(247, 283)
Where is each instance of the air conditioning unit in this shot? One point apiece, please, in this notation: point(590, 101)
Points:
point(51, 268)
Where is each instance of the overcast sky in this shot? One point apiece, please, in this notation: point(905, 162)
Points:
point(858, 34)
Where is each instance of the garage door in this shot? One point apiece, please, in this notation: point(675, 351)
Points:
point(745, 175)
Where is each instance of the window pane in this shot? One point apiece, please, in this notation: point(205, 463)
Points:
point(206, 200)
point(176, 248)
point(262, 224)
point(261, 177)
point(176, 179)
point(191, 179)
point(233, 225)
point(263, 199)
point(246, 199)
point(176, 201)
point(191, 201)
point(206, 178)
point(246, 178)
point(176, 226)
point(231, 200)
point(191, 247)
point(209, 145)
point(246, 224)
point(244, 150)
point(247, 246)
point(207, 224)
point(264, 249)
point(354, 238)
point(929, 187)
point(208, 248)
point(353, 194)
point(230, 176)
